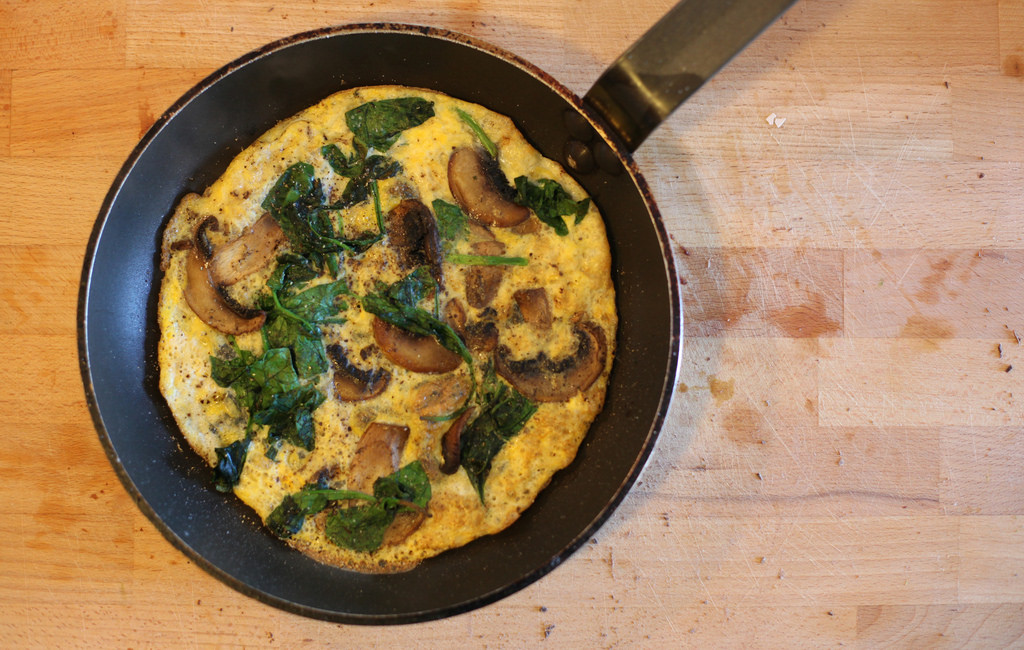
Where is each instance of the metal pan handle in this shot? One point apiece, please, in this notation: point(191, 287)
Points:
point(673, 59)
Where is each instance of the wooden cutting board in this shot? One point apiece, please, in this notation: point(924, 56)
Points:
point(842, 461)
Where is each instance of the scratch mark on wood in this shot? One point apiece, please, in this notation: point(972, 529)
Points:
point(820, 495)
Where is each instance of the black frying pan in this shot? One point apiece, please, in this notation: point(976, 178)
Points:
point(189, 147)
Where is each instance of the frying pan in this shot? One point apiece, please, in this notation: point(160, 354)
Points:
point(192, 143)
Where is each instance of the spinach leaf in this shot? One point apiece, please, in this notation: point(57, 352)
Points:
point(288, 517)
point(230, 461)
point(291, 271)
point(296, 183)
point(481, 135)
point(397, 304)
point(416, 320)
point(504, 413)
point(378, 124)
point(549, 200)
point(273, 372)
point(349, 166)
point(413, 288)
point(296, 202)
point(233, 373)
point(360, 169)
point(293, 316)
point(317, 303)
point(362, 528)
point(310, 356)
point(452, 222)
point(487, 260)
point(269, 388)
point(289, 416)
point(410, 483)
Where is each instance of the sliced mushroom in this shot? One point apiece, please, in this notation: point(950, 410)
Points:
point(439, 395)
point(534, 306)
point(209, 302)
point(483, 282)
point(543, 379)
point(481, 189)
point(412, 230)
point(201, 239)
point(455, 315)
point(405, 523)
point(354, 384)
point(378, 453)
point(528, 227)
point(479, 232)
point(451, 443)
point(413, 351)
point(247, 253)
point(480, 336)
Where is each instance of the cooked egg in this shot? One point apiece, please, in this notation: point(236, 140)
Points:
point(574, 270)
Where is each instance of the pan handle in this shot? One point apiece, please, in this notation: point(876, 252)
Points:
point(673, 59)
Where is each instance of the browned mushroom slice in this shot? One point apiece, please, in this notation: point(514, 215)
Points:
point(455, 315)
point(483, 282)
point(378, 453)
point(534, 306)
point(528, 227)
point(406, 522)
point(412, 351)
point(211, 304)
point(440, 395)
point(354, 384)
point(479, 232)
point(477, 184)
point(451, 443)
point(479, 336)
point(412, 231)
point(542, 379)
point(201, 238)
point(247, 253)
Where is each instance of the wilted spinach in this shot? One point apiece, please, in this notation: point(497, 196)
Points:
point(397, 304)
point(487, 260)
point(270, 391)
point(297, 200)
point(360, 169)
point(295, 312)
point(452, 222)
point(481, 135)
point(288, 517)
point(362, 527)
point(549, 200)
point(230, 461)
point(504, 412)
point(358, 527)
point(378, 124)
point(298, 203)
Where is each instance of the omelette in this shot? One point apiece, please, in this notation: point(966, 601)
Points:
point(387, 325)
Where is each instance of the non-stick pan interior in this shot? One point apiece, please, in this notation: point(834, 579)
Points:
point(189, 148)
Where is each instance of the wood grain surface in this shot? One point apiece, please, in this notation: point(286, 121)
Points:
point(842, 461)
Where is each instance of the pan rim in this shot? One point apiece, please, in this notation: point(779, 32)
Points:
point(85, 293)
